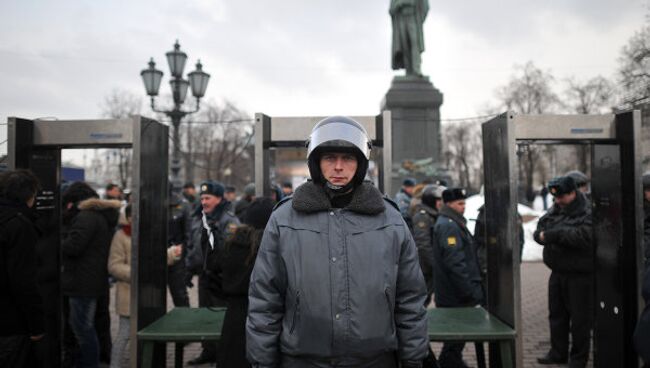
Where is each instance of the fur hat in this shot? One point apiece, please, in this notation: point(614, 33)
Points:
point(453, 194)
point(213, 188)
point(561, 185)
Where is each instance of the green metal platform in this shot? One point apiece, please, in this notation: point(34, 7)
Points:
point(182, 325)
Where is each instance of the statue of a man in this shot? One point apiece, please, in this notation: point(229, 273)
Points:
point(408, 39)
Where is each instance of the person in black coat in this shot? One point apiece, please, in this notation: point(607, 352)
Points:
point(456, 273)
point(642, 333)
point(21, 309)
point(565, 231)
point(90, 223)
point(235, 266)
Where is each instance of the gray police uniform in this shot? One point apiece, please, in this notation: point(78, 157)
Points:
point(336, 286)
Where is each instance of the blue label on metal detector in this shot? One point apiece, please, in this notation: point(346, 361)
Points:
point(106, 135)
point(586, 130)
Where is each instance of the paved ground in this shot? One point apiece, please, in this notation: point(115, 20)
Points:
point(535, 319)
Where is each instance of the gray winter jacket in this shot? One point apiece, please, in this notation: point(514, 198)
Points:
point(336, 286)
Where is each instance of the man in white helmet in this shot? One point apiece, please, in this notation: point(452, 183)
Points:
point(337, 280)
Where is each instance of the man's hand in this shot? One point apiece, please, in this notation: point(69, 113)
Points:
point(37, 337)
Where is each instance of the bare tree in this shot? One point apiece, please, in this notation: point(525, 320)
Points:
point(221, 138)
point(120, 104)
point(463, 149)
point(634, 70)
point(593, 96)
point(529, 91)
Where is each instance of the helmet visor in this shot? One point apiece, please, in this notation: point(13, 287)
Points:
point(335, 132)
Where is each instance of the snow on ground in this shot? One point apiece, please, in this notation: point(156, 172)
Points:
point(532, 250)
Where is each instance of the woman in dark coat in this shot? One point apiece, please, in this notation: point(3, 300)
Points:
point(235, 266)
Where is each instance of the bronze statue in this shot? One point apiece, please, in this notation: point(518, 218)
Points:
point(408, 38)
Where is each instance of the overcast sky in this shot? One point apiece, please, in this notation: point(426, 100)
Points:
point(294, 57)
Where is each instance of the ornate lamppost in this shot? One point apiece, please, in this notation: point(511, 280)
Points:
point(198, 80)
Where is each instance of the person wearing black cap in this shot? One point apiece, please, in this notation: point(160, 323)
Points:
point(456, 274)
point(235, 266)
point(337, 282)
point(189, 193)
point(404, 196)
point(212, 225)
point(287, 189)
point(565, 232)
point(230, 194)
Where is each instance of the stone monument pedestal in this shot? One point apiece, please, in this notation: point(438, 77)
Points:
point(415, 106)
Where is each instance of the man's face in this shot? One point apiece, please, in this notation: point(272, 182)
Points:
point(646, 195)
point(338, 168)
point(31, 201)
point(564, 200)
point(209, 202)
point(409, 190)
point(116, 192)
point(230, 196)
point(190, 191)
point(439, 204)
point(287, 190)
point(458, 206)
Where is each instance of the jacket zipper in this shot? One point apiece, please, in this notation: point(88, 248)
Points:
point(295, 313)
point(390, 310)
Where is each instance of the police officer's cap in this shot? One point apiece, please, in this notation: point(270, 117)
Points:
point(453, 194)
point(213, 188)
point(579, 177)
point(408, 182)
point(561, 185)
point(646, 181)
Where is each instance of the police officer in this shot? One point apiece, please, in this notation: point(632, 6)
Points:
point(456, 274)
point(336, 282)
point(404, 196)
point(425, 214)
point(180, 221)
point(565, 232)
point(212, 225)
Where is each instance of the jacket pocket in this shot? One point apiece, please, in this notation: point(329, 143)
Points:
point(391, 310)
point(296, 313)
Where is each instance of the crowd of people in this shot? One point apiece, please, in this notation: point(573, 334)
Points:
point(333, 274)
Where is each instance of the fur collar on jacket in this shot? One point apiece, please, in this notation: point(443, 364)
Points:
point(97, 204)
point(455, 216)
point(311, 197)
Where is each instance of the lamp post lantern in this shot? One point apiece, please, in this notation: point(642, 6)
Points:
point(197, 80)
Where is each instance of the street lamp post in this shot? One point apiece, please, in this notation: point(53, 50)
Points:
point(197, 80)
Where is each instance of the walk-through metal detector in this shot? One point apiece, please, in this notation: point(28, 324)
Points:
point(286, 132)
point(617, 220)
point(37, 145)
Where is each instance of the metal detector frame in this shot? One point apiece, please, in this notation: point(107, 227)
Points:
point(617, 215)
point(287, 132)
point(37, 145)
